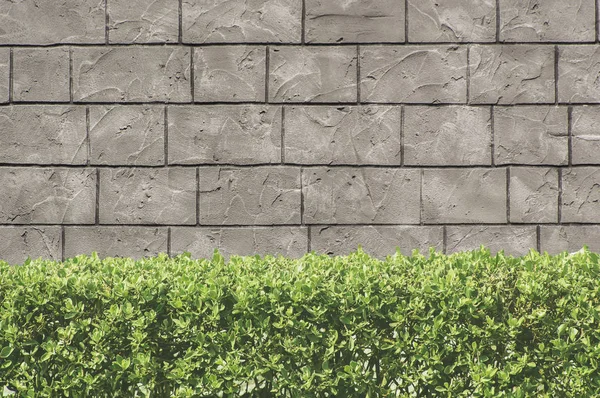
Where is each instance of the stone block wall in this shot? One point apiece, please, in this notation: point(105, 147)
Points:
point(133, 127)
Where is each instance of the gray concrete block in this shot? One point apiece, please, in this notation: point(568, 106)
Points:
point(4, 74)
point(148, 196)
point(581, 195)
point(229, 73)
point(126, 74)
point(133, 242)
point(312, 74)
point(245, 134)
point(249, 196)
point(354, 22)
point(531, 135)
point(18, 243)
point(52, 22)
point(514, 240)
point(33, 195)
point(142, 21)
point(585, 127)
point(43, 134)
point(414, 74)
point(547, 20)
point(556, 239)
point(511, 74)
point(342, 135)
point(127, 135)
point(533, 195)
point(41, 74)
point(202, 241)
point(260, 21)
point(360, 195)
point(449, 135)
point(470, 196)
point(447, 21)
point(578, 68)
point(378, 241)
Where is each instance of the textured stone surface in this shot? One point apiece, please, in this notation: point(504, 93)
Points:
point(125, 74)
point(4, 74)
point(418, 74)
point(216, 21)
point(143, 21)
point(531, 135)
point(378, 241)
point(514, 240)
point(312, 74)
point(456, 20)
point(148, 196)
point(202, 241)
point(570, 238)
point(354, 21)
point(581, 195)
point(473, 196)
point(511, 74)
point(533, 195)
point(547, 20)
point(127, 135)
point(342, 135)
point(360, 196)
point(39, 134)
point(249, 196)
point(578, 69)
point(449, 135)
point(18, 243)
point(41, 74)
point(229, 73)
point(586, 135)
point(49, 22)
point(224, 134)
point(135, 242)
point(32, 195)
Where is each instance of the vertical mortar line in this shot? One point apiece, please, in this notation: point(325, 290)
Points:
point(405, 21)
point(301, 196)
point(10, 75)
point(493, 144)
point(358, 73)
point(468, 74)
point(197, 195)
point(303, 22)
point(169, 241)
point(556, 74)
point(596, 20)
point(560, 193)
point(538, 238)
point(267, 66)
point(192, 74)
point(570, 135)
point(106, 21)
point(282, 134)
point(71, 75)
point(402, 135)
point(166, 135)
point(508, 195)
point(62, 241)
point(421, 198)
point(97, 221)
point(497, 21)
point(309, 237)
point(87, 135)
point(180, 15)
point(444, 239)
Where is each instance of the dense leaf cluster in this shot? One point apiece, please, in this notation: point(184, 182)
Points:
point(464, 325)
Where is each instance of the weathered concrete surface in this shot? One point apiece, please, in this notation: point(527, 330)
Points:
point(41, 74)
point(246, 134)
point(143, 21)
point(4, 74)
point(533, 195)
point(560, 238)
point(581, 195)
point(449, 135)
point(578, 69)
point(342, 135)
point(360, 196)
point(586, 135)
point(514, 240)
point(18, 243)
point(415, 74)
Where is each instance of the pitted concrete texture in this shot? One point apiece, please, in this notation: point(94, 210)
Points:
point(136, 21)
point(41, 74)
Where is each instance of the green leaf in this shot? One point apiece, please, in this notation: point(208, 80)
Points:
point(6, 351)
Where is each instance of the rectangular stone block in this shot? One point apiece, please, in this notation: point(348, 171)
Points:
point(451, 21)
point(139, 21)
point(33, 195)
point(413, 74)
point(378, 241)
point(249, 196)
point(469, 196)
point(312, 74)
point(533, 195)
point(291, 242)
point(4, 74)
point(581, 195)
point(131, 74)
point(556, 239)
point(448, 135)
point(133, 242)
point(531, 135)
point(39, 134)
point(18, 243)
point(513, 240)
point(148, 196)
point(229, 73)
point(547, 20)
point(354, 22)
point(230, 21)
point(360, 195)
point(342, 135)
point(585, 128)
point(247, 134)
point(578, 68)
point(127, 135)
point(51, 22)
point(41, 74)
point(511, 74)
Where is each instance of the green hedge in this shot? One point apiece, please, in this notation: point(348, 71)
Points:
point(464, 325)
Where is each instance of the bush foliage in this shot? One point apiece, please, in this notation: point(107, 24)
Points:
point(464, 325)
